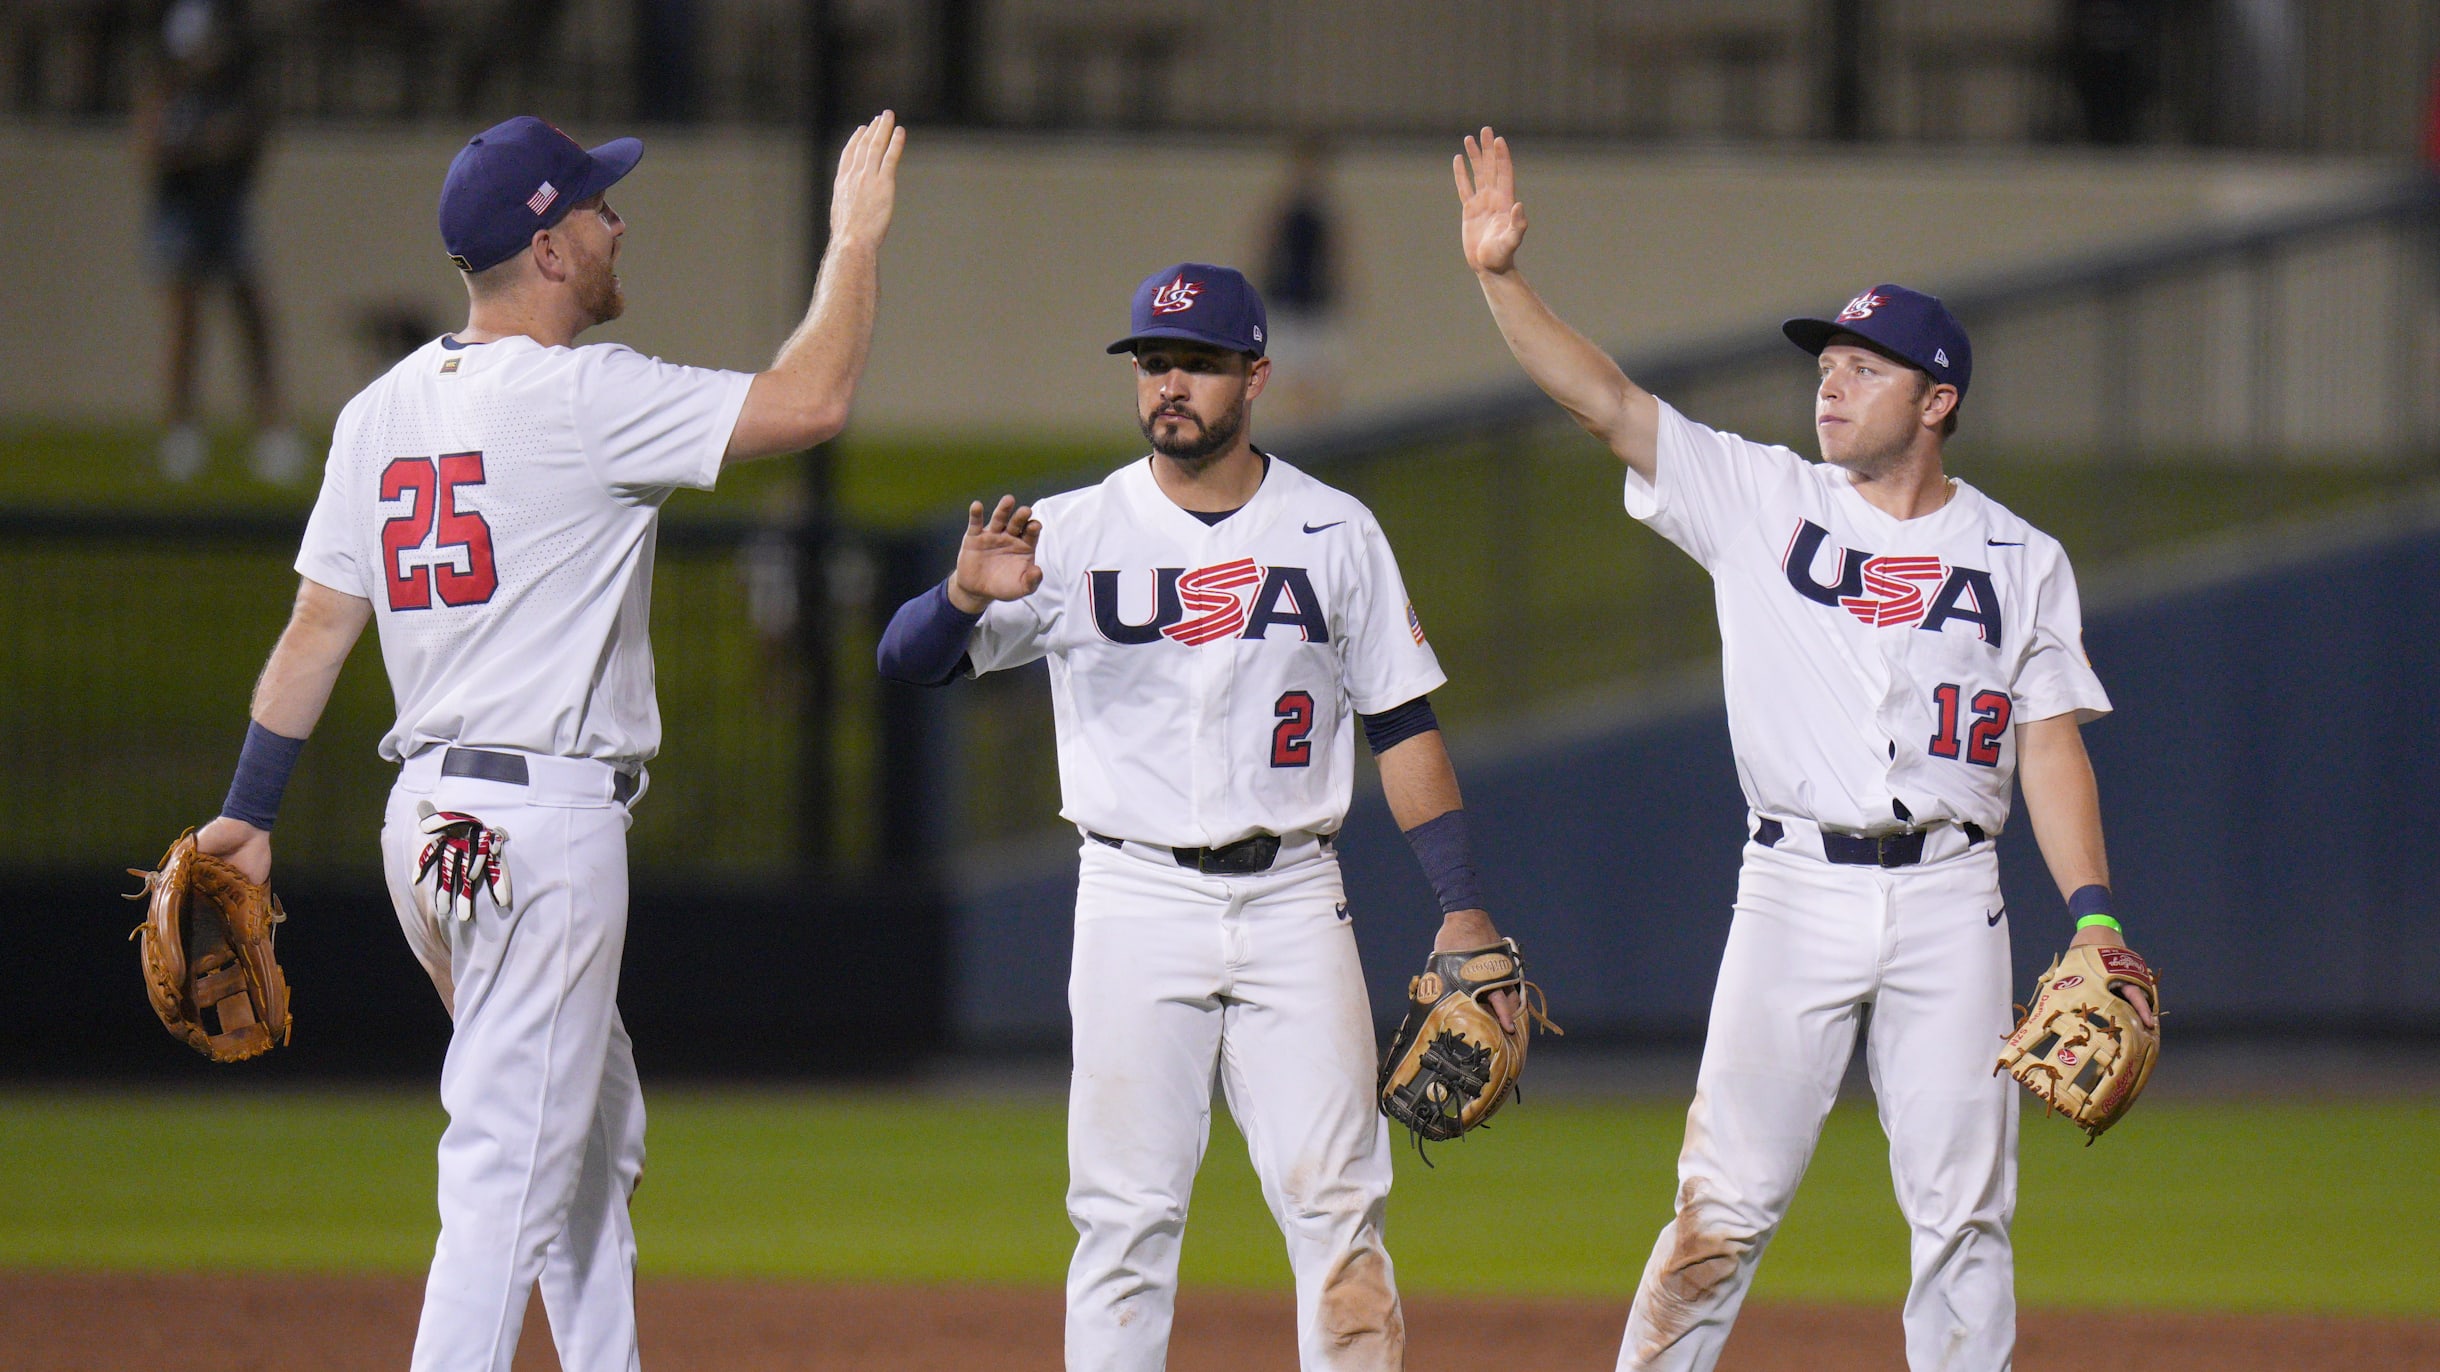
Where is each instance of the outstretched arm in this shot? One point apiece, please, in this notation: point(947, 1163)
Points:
point(1585, 381)
point(2064, 803)
point(288, 701)
point(803, 399)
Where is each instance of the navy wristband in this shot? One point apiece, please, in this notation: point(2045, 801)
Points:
point(263, 766)
point(1445, 847)
point(2089, 900)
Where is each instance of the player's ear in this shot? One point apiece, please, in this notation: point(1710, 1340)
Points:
point(549, 256)
point(1939, 402)
point(1257, 376)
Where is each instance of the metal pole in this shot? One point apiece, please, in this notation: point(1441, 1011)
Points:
point(817, 783)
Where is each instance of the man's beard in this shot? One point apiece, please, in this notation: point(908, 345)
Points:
point(597, 290)
point(1873, 463)
point(1210, 439)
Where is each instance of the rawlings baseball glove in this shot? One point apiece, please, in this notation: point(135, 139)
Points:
point(2081, 1047)
point(1451, 1066)
point(206, 942)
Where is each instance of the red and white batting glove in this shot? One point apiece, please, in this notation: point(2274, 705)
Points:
point(463, 855)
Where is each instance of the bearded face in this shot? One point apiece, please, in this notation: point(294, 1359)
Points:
point(1191, 439)
point(1191, 399)
point(596, 282)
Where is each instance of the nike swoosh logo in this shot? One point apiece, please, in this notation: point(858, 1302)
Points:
point(1996, 916)
point(1996, 543)
point(1317, 528)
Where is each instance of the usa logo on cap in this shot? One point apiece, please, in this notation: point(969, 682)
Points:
point(1861, 307)
point(1176, 297)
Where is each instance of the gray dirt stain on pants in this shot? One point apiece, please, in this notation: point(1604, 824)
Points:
point(1360, 1313)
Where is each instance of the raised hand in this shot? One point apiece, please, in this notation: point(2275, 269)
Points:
point(995, 561)
point(866, 191)
point(1491, 222)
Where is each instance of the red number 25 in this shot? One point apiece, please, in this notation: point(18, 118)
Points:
point(430, 486)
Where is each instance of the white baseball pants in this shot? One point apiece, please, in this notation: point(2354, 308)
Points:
point(545, 1139)
point(1812, 944)
point(1180, 977)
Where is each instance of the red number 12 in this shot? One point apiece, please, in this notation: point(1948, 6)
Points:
point(1991, 709)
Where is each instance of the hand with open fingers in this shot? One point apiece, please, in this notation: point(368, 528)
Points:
point(865, 193)
point(995, 561)
point(1491, 223)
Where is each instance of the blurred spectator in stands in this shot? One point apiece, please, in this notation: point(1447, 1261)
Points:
point(200, 124)
point(2112, 62)
point(1301, 289)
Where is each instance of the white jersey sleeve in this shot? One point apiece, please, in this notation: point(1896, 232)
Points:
point(1385, 660)
point(2056, 676)
point(1705, 484)
point(329, 553)
point(651, 427)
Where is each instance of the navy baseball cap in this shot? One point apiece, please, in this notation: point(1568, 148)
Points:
point(1200, 303)
point(1908, 325)
point(517, 177)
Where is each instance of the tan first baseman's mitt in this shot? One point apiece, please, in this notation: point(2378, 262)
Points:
point(1451, 1066)
point(2081, 1047)
point(207, 954)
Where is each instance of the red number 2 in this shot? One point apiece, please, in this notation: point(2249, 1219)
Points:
point(1292, 741)
point(430, 486)
point(1991, 710)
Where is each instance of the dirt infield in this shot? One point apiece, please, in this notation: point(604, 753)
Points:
point(255, 1323)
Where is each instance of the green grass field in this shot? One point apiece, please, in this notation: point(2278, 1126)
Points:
point(2255, 1206)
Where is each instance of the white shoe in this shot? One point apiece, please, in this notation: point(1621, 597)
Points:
point(279, 456)
point(183, 453)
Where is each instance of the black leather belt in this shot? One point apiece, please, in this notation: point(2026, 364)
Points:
point(1243, 858)
point(509, 768)
point(1866, 850)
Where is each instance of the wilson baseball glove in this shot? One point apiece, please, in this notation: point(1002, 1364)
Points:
point(206, 945)
point(2081, 1048)
point(1451, 1066)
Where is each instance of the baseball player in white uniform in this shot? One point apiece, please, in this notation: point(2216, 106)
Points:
point(1897, 647)
point(1217, 623)
point(491, 504)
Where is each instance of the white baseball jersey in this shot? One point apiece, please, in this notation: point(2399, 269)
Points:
point(498, 503)
point(1875, 666)
point(1205, 678)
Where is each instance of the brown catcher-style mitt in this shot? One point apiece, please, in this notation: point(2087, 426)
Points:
point(1451, 1066)
point(207, 954)
point(2081, 1048)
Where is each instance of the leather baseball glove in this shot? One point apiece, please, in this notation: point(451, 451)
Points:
point(206, 944)
point(1451, 1066)
point(2081, 1048)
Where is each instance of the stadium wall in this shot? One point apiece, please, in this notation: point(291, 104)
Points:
point(2266, 790)
point(1014, 255)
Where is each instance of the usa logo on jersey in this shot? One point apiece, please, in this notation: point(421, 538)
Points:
point(1209, 604)
point(1894, 592)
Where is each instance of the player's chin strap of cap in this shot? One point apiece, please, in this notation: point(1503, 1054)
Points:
point(1904, 848)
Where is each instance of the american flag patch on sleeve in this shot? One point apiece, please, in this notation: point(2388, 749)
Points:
point(1414, 622)
point(542, 198)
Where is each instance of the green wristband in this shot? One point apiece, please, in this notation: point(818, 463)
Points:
point(2105, 921)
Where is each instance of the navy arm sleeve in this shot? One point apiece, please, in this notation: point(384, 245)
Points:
point(925, 644)
point(1399, 723)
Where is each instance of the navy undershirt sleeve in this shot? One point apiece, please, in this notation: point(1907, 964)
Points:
point(1399, 723)
point(925, 644)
